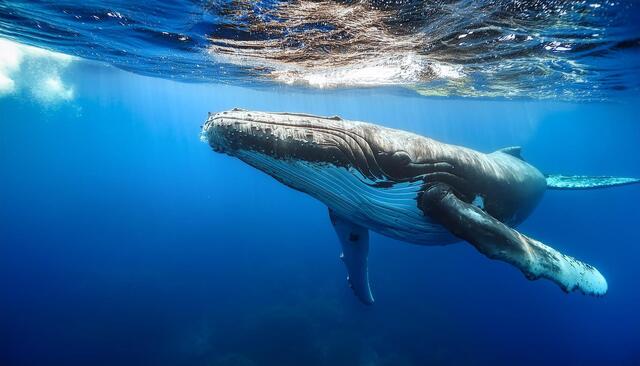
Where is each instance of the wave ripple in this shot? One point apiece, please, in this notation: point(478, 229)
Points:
point(584, 50)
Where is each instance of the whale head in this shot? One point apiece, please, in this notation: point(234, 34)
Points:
point(381, 155)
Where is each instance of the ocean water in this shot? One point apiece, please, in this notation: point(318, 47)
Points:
point(124, 240)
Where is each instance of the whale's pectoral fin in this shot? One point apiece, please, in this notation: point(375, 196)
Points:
point(498, 241)
point(355, 249)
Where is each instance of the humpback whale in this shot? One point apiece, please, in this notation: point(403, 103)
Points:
point(407, 187)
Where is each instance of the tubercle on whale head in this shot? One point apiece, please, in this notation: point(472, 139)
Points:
point(280, 135)
point(218, 129)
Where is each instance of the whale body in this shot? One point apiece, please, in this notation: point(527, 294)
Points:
point(408, 187)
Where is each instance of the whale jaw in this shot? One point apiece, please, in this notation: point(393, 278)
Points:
point(278, 135)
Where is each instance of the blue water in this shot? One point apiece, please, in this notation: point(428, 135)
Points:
point(127, 241)
point(124, 240)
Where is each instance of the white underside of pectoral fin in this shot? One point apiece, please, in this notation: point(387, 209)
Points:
point(354, 240)
point(569, 273)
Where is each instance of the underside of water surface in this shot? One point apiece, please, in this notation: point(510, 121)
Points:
point(571, 50)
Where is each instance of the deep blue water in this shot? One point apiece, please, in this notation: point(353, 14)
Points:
point(124, 240)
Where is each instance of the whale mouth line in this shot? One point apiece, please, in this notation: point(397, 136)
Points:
point(308, 131)
point(305, 139)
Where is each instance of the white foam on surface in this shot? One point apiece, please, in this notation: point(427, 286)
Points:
point(36, 71)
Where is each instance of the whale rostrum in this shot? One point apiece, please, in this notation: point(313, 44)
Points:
point(407, 187)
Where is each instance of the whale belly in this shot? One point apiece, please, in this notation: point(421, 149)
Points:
point(390, 211)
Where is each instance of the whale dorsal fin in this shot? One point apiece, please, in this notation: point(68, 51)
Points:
point(515, 151)
point(355, 250)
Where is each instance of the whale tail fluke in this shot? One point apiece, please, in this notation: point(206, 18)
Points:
point(557, 181)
